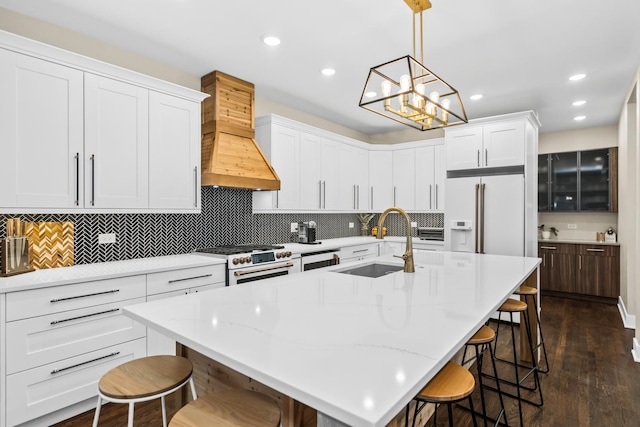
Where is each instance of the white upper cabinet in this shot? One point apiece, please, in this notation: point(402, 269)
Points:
point(439, 175)
point(116, 144)
point(174, 152)
point(310, 190)
point(380, 180)
point(41, 141)
point(430, 178)
point(80, 135)
point(485, 146)
point(404, 179)
point(353, 178)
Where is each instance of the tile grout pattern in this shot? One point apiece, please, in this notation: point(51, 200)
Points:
point(226, 218)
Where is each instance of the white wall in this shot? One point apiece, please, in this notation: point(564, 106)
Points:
point(579, 139)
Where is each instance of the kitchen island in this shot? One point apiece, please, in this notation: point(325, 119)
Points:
point(356, 349)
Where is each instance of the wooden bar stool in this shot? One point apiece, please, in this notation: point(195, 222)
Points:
point(144, 379)
point(512, 306)
point(481, 341)
point(229, 408)
point(528, 291)
point(452, 384)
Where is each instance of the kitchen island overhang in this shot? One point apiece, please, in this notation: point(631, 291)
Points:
point(354, 348)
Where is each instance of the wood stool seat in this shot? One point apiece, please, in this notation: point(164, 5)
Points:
point(513, 306)
point(144, 379)
point(229, 408)
point(484, 335)
point(526, 290)
point(452, 384)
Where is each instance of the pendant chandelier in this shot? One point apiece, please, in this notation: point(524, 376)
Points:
point(406, 91)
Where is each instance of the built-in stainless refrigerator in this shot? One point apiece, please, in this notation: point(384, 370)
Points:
point(486, 213)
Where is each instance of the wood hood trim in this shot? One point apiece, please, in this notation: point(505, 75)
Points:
point(231, 156)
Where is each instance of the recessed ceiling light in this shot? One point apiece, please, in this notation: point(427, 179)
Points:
point(579, 118)
point(271, 41)
point(370, 94)
point(328, 71)
point(476, 97)
point(578, 103)
point(577, 77)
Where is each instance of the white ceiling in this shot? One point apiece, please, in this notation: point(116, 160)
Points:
point(519, 54)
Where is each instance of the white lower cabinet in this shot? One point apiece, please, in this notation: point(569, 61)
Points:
point(174, 283)
point(48, 388)
point(359, 253)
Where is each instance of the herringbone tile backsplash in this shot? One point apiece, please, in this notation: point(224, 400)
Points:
point(226, 218)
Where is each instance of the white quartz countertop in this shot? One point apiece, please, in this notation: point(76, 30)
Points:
point(103, 270)
point(354, 348)
point(343, 242)
point(578, 242)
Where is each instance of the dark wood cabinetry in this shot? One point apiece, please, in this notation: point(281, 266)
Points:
point(579, 270)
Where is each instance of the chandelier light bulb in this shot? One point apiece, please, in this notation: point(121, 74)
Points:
point(405, 82)
point(446, 103)
point(418, 100)
point(385, 86)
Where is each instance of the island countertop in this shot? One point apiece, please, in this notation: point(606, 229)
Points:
point(354, 348)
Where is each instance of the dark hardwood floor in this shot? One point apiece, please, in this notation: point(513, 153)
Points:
point(593, 379)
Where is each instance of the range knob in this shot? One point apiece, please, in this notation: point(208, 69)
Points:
point(248, 260)
point(235, 261)
point(288, 253)
point(279, 255)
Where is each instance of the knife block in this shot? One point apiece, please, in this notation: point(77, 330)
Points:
point(14, 253)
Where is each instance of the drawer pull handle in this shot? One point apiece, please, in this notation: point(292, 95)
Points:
point(113, 310)
point(55, 371)
point(360, 250)
point(548, 247)
point(113, 291)
point(190, 278)
point(595, 250)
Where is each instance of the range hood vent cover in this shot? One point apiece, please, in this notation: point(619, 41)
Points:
point(230, 155)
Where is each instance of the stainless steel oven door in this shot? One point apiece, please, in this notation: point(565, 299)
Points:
point(261, 272)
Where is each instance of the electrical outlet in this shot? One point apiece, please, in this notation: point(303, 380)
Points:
point(351, 225)
point(572, 226)
point(106, 238)
point(294, 227)
point(414, 224)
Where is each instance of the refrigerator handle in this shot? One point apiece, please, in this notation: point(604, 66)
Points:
point(482, 218)
point(476, 219)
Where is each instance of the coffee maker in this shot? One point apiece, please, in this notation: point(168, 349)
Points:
point(307, 232)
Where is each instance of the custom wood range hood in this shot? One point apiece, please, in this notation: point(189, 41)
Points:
point(230, 155)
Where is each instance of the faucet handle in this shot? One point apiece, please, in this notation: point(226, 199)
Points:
point(404, 256)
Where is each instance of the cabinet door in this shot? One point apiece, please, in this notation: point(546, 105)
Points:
point(332, 196)
point(174, 152)
point(543, 183)
point(404, 180)
point(116, 144)
point(599, 270)
point(562, 276)
point(353, 165)
point(310, 171)
point(360, 171)
point(41, 115)
point(284, 159)
point(425, 179)
point(439, 176)
point(594, 180)
point(503, 144)
point(380, 180)
point(463, 148)
point(564, 182)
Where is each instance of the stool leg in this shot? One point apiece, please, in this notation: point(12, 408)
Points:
point(495, 372)
point(473, 412)
point(193, 389)
point(479, 358)
point(515, 365)
point(97, 415)
point(164, 411)
point(450, 412)
point(130, 423)
point(536, 377)
point(544, 347)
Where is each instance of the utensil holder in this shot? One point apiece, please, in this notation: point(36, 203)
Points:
point(14, 253)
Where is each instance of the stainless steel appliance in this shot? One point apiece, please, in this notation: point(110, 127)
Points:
point(307, 232)
point(320, 259)
point(431, 233)
point(248, 263)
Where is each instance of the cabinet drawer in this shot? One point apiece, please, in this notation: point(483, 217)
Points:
point(599, 250)
point(56, 299)
point(45, 339)
point(48, 388)
point(186, 278)
point(359, 251)
point(559, 248)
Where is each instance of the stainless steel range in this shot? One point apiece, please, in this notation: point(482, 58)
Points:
point(248, 263)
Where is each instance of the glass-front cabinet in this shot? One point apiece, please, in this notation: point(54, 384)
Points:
point(577, 181)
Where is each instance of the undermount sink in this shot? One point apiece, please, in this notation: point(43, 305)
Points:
point(372, 270)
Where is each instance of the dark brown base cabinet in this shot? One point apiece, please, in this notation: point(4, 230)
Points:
point(580, 270)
